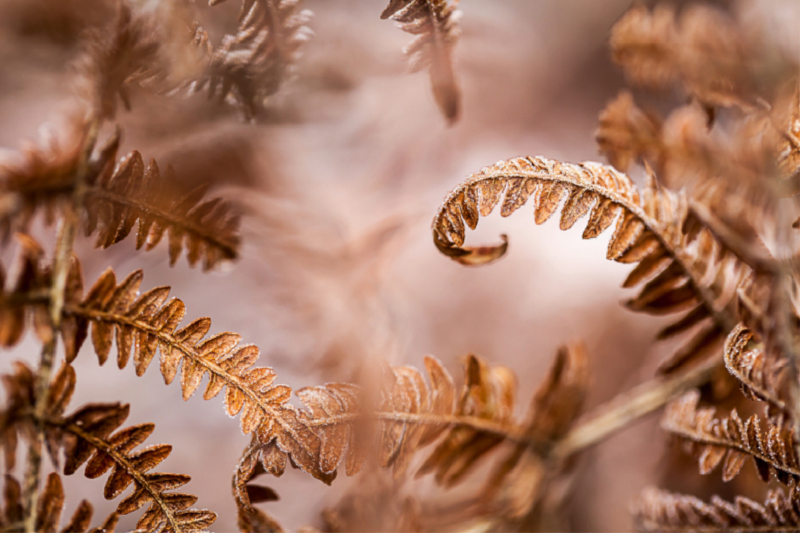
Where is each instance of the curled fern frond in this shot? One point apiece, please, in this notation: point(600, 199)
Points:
point(687, 268)
point(115, 200)
point(772, 448)
point(434, 24)
point(91, 436)
point(251, 65)
point(760, 379)
point(658, 510)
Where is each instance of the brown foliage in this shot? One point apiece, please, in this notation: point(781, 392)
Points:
point(90, 436)
point(687, 267)
point(435, 27)
point(117, 199)
point(662, 511)
point(250, 66)
point(708, 235)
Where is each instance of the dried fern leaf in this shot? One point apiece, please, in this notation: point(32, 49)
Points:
point(687, 268)
point(127, 52)
point(15, 307)
point(49, 509)
point(760, 379)
point(703, 52)
point(118, 199)
point(772, 449)
point(519, 482)
point(91, 436)
point(40, 175)
point(251, 65)
point(626, 134)
point(435, 27)
point(132, 194)
point(658, 510)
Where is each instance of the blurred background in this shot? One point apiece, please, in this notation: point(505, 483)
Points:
point(340, 179)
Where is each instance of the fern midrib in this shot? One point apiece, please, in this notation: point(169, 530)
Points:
point(652, 225)
point(509, 432)
point(228, 249)
point(704, 438)
point(212, 368)
point(120, 459)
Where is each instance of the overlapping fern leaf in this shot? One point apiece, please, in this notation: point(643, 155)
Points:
point(701, 51)
point(659, 510)
point(685, 268)
point(408, 413)
point(49, 510)
point(117, 197)
point(251, 65)
point(772, 447)
point(434, 24)
point(759, 378)
point(91, 436)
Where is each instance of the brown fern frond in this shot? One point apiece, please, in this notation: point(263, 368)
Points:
point(251, 65)
point(409, 413)
point(687, 268)
point(91, 436)
point(15, 302)
point(41, 175)
point(658, 510)
point(132, 194)
point(435, 26)
point(701, 51)
point(759, 378)
point(250, 519)
point(626, 134)
point(116, 199)
point(789, 143)
point(731, 439)
point(116, 58)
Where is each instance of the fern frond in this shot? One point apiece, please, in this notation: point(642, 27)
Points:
point(434, 24)
point(132, 194)
point(772, 448)
point(251, 65)
point(90, 436)
point(626, 134)
point(789, 143)
point(116, 199)
point(702, 52)
point(658, 510)
point(686, 266)
point(16, 304)
point(412, 413)
point(759, 379)
point(127, 53)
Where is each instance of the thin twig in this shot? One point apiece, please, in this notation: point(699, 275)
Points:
point(68, 228)
point(630, 406)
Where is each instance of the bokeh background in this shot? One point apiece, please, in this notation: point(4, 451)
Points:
point(340, 179)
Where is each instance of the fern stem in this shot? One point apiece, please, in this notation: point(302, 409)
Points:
point(67, 232)
point(630, 406)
